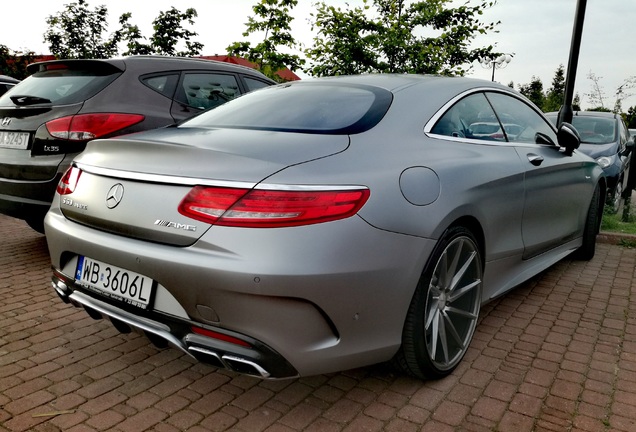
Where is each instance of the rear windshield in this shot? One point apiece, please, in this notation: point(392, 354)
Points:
point(319, 108)
point(60, 86)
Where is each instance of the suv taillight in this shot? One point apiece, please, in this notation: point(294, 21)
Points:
point(69, 180)
point(257, 208)
point(84, 127)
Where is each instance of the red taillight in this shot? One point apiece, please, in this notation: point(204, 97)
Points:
point(84, 127)
point(69, 180)
point(270, 208)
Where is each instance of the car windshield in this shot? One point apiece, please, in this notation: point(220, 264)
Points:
point(595, 130)
point(59, 86)
point(305, 107)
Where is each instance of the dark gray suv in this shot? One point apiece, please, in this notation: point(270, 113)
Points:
point(47, 119)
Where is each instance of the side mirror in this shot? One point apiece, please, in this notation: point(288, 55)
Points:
point(568, 137)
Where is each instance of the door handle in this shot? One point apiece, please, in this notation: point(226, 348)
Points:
point(534, 159)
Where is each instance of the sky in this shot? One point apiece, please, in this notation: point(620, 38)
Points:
point(537, 33)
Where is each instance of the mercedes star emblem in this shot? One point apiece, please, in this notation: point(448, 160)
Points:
point(114, 196)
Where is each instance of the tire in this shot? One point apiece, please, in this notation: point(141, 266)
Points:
point(36, 223)
point(592, 226)
point(443, 314)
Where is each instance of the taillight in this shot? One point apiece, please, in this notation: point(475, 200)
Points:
point(69, 180)
point(257, 208)
point(85, 127)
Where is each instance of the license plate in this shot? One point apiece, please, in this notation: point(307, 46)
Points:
point(15, 140)
point(114, 282)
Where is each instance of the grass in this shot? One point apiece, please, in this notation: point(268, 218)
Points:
point(621, 222)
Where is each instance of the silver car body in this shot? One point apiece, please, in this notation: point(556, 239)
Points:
point(321, 297)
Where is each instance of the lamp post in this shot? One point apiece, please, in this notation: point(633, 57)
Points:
point(499, 62)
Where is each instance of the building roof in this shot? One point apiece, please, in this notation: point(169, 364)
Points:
point(285, 74)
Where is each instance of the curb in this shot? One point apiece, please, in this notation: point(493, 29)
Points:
point(616, 238)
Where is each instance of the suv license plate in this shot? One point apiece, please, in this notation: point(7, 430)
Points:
point(14, 140)
point(114, 282)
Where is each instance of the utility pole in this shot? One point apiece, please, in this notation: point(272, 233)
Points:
point(566, 112)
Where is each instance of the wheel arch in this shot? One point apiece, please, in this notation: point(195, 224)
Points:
point(472, 224)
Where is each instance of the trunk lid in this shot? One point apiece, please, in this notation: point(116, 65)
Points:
point(148, 174)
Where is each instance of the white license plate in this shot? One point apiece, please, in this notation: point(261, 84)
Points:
point(114, 282)
point(15, 140)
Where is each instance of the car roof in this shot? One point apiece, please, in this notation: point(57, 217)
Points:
point(409, 89)
point(399, 82)
point(153, 62)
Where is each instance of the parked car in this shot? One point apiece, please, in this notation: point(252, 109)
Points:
point(605, 138)
point(493, 130)
point(48, 118)
point(324, 224)
point(6, 82)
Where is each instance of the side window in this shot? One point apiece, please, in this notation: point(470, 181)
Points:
point(207, 90)
point(520, 122)
point(254, 84)
point(164, 84)
point(471, 117)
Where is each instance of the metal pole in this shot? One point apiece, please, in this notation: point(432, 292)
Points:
point(493, 70)
point(567, 112)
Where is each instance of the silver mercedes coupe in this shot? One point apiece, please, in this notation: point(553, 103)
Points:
point(324, 224)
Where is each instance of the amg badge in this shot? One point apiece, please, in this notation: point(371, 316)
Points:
point(175, 225)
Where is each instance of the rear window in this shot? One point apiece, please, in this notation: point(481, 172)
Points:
point(61, 86)
point(319, 108)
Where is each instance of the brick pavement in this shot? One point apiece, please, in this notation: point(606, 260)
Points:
point(556, 354)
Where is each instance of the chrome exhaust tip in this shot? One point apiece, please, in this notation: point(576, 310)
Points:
point(61, 289)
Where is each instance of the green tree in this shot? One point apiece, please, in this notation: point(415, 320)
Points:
point(78, 32)
point(533, 91)
point(272, 18)
point(388, 37)
point(168, 32)
point(576, 102)
point(14, 63)
point(555, 95)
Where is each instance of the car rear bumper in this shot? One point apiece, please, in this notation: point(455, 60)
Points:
point(256, 360)
point(27, 206)
point(31, 199)
point(330, 303)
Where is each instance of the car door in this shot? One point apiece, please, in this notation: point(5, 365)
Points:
point(558, 187)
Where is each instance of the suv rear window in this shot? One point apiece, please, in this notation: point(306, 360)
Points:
point(304, 107)
point(61, 86)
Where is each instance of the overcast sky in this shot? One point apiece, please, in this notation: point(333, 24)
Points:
point(537, 32)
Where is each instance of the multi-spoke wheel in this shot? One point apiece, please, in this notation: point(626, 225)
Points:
point(617, 199)
point(443, 314)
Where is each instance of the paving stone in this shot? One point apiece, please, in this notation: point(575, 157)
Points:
point(556, 353)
